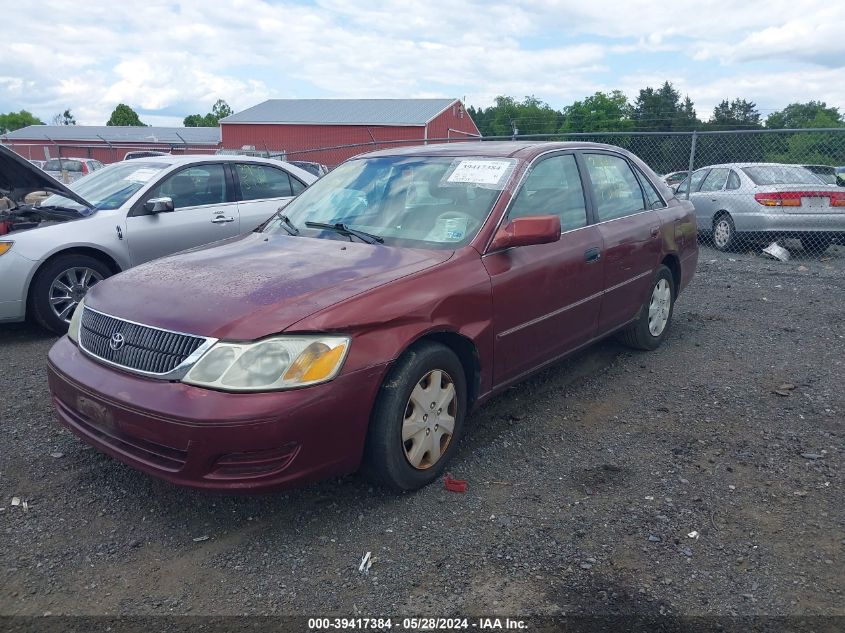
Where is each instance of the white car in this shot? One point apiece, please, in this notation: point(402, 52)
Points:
point(120, 216)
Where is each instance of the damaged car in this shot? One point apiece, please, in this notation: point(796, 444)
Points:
point(363, 322)
point(53, 252)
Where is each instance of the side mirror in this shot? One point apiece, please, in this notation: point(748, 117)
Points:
point(159, 205)
point(537, 229)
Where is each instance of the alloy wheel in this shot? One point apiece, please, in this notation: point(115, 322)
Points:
point(429, 419)
point(68, 289)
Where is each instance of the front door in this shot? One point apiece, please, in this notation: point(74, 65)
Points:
point(546, 297)
point(630, 231)
point(205, 212)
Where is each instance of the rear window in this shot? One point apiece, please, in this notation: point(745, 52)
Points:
point(781, 175)
point(54, 164)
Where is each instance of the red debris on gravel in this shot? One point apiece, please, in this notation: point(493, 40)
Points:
point(454, 485)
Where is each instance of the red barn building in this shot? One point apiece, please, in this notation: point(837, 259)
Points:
point(108, 143)
point(329, 131)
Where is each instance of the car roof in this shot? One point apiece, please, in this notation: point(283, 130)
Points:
point(497, 149)
point(737, 165)
point(185, 159)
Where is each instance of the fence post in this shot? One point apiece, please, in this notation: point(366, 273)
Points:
point(691, 160)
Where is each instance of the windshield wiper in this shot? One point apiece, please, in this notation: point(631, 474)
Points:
point(289, 226)
point(345, 229)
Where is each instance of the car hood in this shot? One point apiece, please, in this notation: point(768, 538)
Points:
point(253, 286)
point(19, 177)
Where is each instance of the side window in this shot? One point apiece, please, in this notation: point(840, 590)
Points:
point(296, 186)
point(553, 188)
point(261, 181)
point(615, 187)
point(715, 180)
point(653, 198)
point(194, 186)
point(733, 181)
point(697, 177)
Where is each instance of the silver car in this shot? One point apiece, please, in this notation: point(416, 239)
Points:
point(125, 214)
point(765, 201)
point(69, 170)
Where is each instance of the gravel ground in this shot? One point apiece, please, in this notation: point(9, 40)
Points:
point(585, 484)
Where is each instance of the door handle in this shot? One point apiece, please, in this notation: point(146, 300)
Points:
point(655, 231)
point(592, 255)
point(222, 220)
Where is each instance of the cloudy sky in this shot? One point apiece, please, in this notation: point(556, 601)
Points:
point(167, 59)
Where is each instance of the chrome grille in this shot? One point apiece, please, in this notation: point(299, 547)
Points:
point(144, 349)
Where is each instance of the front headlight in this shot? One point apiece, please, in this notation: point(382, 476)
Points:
point(282, 362)
point(4, 247)
point(75, 320)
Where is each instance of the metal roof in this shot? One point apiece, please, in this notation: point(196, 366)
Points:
point(343, 111)
point(118, 134)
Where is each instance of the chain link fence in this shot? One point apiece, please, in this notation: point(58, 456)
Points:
point(774, 193)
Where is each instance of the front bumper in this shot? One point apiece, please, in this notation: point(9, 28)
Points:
point(213, 440)
point(15, 272)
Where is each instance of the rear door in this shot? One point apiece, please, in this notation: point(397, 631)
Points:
point(630, 231)
point(263, 189)
point(205, 211)
point(710, 196)
point(546, 297)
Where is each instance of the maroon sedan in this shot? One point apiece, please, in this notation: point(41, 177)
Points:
point(362, 323)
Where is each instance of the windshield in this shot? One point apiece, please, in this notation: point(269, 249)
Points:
point(781, 175)
point(421, 201)
point(110, 187)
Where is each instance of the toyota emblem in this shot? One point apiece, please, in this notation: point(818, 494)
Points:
point(117, 341)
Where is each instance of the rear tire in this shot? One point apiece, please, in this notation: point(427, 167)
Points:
point(815, 244)
point(53, 295)
point(652, 324)
point(408, 441)
point(723, 234)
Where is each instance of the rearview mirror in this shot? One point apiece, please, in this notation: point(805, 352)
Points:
point(537, 229)
point(159, 205)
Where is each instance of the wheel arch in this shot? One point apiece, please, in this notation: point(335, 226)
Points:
point(673, 263)
point(467, 353)
point(89, 251)
point(718, 215)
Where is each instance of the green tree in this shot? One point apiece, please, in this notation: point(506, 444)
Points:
point(804, 115)
point(64, 118)
point(194, 120)
point(731, 115)
point(662, 110)
point(219, 110)
point(124, 115)
point(17, 120)
point(529, 116)
point(601, 112)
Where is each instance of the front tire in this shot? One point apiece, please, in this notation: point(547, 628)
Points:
point(59, 287)
point(652, 324)
point(417, 419)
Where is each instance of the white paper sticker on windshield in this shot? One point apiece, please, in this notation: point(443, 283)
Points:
point(141, 175)
point(480, 172)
